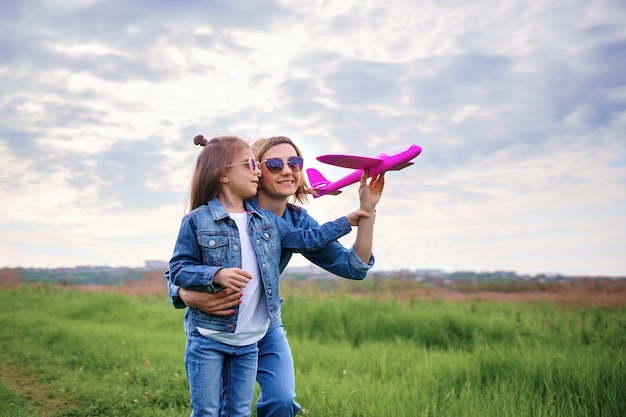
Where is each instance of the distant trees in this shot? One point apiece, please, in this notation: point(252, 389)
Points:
point(82, 275)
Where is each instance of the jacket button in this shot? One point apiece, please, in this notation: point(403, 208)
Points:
point(266, 235)
point(269, 290)
point(211, 243)
point(235, 248)
point(230, 327)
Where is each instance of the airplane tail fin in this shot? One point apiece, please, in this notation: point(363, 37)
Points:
point(316, 179)
point(319, 183)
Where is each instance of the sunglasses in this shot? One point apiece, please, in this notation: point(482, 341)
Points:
point(275, 165)
point(252, 164)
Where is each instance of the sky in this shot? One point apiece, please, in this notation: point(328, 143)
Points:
point(519, 107)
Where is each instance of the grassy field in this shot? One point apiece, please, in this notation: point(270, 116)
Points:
point(73, 353)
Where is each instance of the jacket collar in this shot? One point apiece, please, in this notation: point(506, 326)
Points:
point(218, 212)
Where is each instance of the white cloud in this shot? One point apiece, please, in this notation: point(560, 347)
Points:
point(519, 108)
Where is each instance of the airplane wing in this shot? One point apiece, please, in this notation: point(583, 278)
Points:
point(350, 161)
point(399, 167)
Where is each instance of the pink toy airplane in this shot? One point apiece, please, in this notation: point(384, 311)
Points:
point(380, 164)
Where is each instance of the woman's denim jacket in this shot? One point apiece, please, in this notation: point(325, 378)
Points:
point(208, 240)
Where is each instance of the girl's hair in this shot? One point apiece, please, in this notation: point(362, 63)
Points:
point(260, 146)
point(211, 166)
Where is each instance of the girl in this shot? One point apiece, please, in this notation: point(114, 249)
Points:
point(224, 244)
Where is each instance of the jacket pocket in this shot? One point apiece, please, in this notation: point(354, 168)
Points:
point(270, 240)
point(214, 249)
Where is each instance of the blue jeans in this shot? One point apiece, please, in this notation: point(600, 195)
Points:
point(276, 376)
point(220, 375)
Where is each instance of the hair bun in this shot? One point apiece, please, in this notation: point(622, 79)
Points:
point(200, 140)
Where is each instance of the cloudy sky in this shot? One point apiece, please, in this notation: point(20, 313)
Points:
point(519, 106)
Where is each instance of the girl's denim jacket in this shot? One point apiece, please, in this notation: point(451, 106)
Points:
point(333, 257)
point(208, 240)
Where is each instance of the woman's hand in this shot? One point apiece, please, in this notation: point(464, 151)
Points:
point(219, 304)
point(369, 195)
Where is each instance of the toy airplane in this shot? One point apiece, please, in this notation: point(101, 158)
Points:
point(374, 166)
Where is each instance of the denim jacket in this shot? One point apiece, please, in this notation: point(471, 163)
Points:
point(334, 257)
point(208, 240)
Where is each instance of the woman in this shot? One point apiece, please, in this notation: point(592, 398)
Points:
point(282, 179)
point(221, 245)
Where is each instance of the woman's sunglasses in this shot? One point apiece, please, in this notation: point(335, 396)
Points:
point(275, 165)
point(252, 164)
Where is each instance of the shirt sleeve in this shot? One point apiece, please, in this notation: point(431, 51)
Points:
point(172, 291)
point(334, 258)
point(299, 239)
point(186, 268)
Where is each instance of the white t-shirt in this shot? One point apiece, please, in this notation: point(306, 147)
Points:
point(253, 319)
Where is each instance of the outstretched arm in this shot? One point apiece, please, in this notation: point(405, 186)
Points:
point(369, 196)
point(350, 263)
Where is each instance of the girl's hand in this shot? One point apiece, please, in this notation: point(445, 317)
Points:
point(354, 217)
point(234, 279)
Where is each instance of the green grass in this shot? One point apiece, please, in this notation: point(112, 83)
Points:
point(11, 403)
point(381, 358)
point(104, 354)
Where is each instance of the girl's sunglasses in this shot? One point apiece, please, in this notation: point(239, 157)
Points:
point(275, 165)
point(252, 164)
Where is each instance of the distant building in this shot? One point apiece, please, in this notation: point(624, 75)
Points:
point(156, 265)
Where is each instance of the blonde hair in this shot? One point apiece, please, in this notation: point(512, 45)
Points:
point(262, 145)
